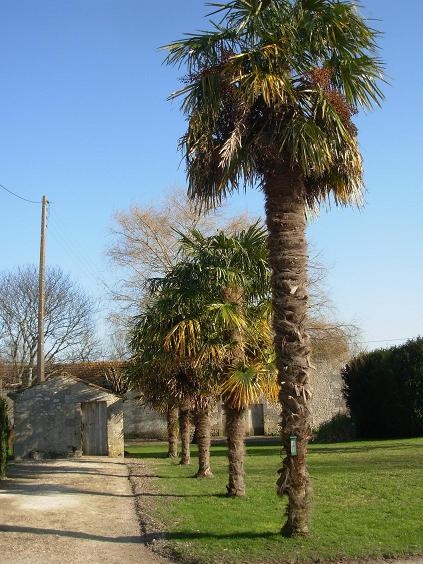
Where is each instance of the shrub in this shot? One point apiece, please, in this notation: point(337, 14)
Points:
point(384, 391)
point(4, 431)
point(339, 429)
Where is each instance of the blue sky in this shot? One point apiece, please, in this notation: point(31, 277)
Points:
point(85, 120)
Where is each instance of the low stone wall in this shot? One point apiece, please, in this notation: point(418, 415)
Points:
point(140, 421)
point(326, 400)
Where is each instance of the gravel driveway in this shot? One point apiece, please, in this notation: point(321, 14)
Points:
point(73, 510)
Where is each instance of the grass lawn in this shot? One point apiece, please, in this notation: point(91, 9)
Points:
point(368, 503)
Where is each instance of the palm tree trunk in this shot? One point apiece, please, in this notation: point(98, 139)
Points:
point(172, 431)
point(203, 434)
point(286, 222)
point(235, 433)
point(185, 431)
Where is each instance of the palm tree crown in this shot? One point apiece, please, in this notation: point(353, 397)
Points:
point(275, 82)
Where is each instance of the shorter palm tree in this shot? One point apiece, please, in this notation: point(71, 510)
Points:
point(166, 379)
point(147, 360)
point(250, 378)
point(226, 331)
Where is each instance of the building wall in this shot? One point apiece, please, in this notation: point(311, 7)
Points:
point(140, 421)
point(58, 411)
point(326, 388)
point(326, 402)
point(143, 422)
point(47, 418)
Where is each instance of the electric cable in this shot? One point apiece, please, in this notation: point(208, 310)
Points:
point(18, 196)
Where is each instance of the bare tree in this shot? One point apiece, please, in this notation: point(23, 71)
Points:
point(146, 240)
point(68, 325)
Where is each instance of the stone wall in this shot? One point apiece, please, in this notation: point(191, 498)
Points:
point(326, 400)
point(143, 422)
point(115, 433)
point(326, 388)
point(47, 418)
point(140, 421)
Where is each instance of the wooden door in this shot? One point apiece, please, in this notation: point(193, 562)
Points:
point(257, 419)
point(94, 428)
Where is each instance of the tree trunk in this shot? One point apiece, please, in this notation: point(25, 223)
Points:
point(203, 433)
point(172, 431)
point(286, 222)
point(235, 433)
point(185, 431)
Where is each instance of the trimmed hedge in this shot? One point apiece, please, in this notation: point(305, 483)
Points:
point(384, 391)
point(4, 432)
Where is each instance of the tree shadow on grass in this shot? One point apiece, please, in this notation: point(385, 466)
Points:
point(181, 496)
point(199, 535)
point(146, 538)
point(159, 476)
point(277, 451)
point(146, 454)
point(362, 448)
point(214, 452)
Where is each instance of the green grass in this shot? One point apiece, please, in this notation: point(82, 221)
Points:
point(368, 503)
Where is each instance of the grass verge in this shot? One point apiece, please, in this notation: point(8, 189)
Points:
point(367, 504)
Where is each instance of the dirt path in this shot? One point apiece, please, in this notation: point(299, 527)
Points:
point(75, 510)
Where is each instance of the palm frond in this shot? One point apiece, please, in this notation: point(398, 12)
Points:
point(183, 338)
point(242, 388)
point(228, 316)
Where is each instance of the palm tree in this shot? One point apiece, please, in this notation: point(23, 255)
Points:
point(227, 331)
point(147, 360)
point(251, 378)
point(193, 383)
point(168, 382)
point(269, 96)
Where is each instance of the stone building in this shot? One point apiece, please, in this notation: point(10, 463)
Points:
point(65, 416)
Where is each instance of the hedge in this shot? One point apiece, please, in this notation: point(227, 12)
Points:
point(384, 391)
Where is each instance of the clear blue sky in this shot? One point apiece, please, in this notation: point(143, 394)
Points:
point(84, 120)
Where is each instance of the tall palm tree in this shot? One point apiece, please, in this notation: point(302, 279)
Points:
point(269, 96)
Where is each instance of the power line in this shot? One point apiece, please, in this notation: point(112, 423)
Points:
point(387, 340)
point(17, 195)
point(74, 253)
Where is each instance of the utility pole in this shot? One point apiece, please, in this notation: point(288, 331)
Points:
point(41, 293)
